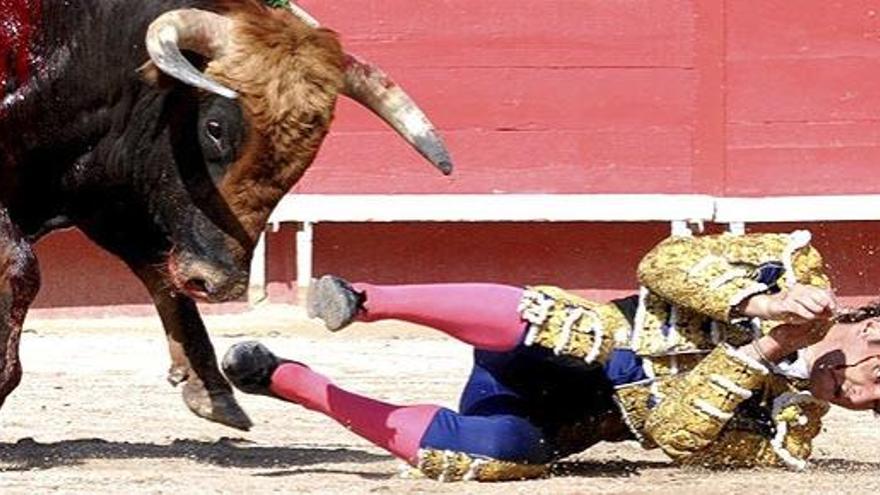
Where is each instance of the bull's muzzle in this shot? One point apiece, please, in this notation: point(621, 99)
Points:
point(205, 280)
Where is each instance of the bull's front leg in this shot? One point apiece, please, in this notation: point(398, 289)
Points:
point(193, 362)
point(19, 283)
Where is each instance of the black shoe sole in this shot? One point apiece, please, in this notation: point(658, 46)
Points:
point(249, 367)
point(332, 300)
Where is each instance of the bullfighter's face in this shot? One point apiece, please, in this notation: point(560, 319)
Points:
point(847, 370)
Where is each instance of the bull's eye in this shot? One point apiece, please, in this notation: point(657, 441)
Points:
point(215, 130)
point(221, 130)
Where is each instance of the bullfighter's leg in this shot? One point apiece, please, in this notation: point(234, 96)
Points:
point(485, 316)
point(442, 443)
point(19, 283)
point(193, 362)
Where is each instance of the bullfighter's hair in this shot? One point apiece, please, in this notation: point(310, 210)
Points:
point(288, 76)
point(859, 314)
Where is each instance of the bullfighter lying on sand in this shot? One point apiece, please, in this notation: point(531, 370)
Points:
point(727, 358)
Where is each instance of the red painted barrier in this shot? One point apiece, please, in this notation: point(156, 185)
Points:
point(579, 96)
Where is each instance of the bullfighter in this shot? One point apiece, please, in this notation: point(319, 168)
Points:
point(728, 357)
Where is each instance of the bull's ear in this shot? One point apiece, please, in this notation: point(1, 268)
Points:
point(152, 75)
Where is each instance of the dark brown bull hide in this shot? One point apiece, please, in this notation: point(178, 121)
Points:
point(166, 131)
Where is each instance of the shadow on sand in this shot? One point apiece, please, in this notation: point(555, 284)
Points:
point(27, 454)
point(605, 469)
point(844, 465)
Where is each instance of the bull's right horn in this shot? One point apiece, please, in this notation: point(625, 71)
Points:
point(203, 32)
point(371, 87)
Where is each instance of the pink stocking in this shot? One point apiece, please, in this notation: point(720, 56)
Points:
point(483, 315)
point(397, 429)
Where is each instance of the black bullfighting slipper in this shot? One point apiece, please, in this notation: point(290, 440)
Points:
point(249, 367)
point(334, 301)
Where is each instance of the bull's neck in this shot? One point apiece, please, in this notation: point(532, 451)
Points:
point(72, 79)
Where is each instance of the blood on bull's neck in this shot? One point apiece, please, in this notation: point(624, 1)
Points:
point(19, 20)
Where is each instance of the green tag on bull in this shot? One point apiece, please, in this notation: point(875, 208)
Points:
point(277, 4)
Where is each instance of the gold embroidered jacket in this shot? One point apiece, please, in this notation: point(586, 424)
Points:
point(703, 402)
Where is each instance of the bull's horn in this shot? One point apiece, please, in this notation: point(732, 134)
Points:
point(371, 87)
point(203, 32)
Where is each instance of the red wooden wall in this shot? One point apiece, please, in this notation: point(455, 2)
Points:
point(741, 97)
point(803, 101)
point(537, 96)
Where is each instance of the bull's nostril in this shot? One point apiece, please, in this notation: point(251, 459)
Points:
point(199, 286)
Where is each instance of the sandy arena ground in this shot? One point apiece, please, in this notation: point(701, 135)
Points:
point(95, 415)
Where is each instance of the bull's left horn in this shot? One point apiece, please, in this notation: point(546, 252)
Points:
point(370, 86)
point(203, 32)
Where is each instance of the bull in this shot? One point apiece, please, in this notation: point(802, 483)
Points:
point(167, 131)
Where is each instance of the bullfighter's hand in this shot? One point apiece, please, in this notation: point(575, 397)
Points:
point(798, 305)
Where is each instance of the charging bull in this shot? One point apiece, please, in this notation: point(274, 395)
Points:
point(167, 131)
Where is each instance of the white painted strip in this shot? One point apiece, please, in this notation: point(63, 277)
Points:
point(680, 228)
point(798, 208)
point(304, 253)
point(257, 280)
point(492, 207)
point(573, 207)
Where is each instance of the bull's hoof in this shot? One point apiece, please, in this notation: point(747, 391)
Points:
point(177, 375)
point(219, 406)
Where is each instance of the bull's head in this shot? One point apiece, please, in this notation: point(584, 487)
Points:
point(266, 95)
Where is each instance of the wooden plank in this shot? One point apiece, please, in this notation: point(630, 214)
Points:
point(798, 135)
point(709, 114)
point(805, 90)
point(802, 102)
point(780, 29)
point(576, 256)
point(317, 208)
point(574, 96)
point(76, 273)
point(620, 159)
point(796, 158)
point(450, 33)
point(798, 209)
point(545, 98)
point(804, 170)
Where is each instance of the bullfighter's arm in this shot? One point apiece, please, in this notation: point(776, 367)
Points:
point(714, 274)
point(695, 424)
